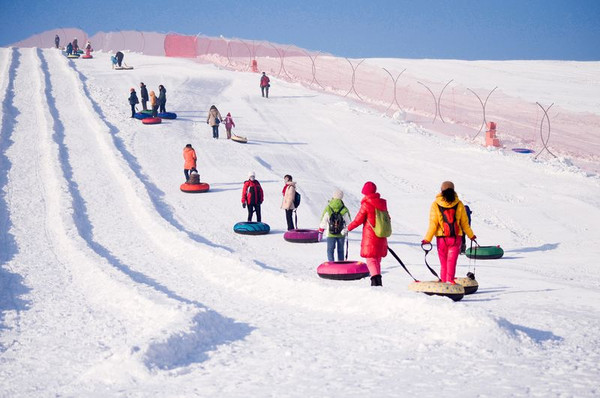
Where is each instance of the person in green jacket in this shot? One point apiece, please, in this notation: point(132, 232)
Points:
point(336, 218)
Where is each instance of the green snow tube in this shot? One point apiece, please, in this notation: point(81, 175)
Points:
point(485, 252)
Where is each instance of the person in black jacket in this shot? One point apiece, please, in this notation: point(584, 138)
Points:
point(144, 95)
point(119, 56)
point(162, 98)
point(133, 100)
point(56, 41)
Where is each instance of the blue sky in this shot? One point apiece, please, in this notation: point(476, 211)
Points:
point(460, 29)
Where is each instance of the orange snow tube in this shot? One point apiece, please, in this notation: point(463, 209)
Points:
point(194, 188)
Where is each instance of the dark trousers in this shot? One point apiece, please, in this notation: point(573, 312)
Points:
point(186, 172)
point(132, 110)
point(252, 209)
point(289, 219)
point(154, 111)
point(263, 90)
point(144, 106)
point(161, 108)
point(215, 131)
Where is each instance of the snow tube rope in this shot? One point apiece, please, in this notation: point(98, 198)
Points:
point(343, 270)
point(400, 261)
point(251, 228)
point(302, 236)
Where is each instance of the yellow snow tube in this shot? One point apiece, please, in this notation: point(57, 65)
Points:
point(455, 292)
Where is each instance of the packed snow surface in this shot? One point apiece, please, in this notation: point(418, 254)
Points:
point(115, 283)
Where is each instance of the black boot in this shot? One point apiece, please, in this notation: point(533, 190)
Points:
point(376, 280)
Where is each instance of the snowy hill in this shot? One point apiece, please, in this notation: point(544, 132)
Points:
point(115, 283)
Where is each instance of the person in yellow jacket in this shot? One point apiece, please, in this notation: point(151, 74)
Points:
point(448, 221)
point(153, 103)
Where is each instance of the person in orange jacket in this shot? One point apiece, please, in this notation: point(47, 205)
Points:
point(252, 196)
point(448, 221)
point(372, 247)
point(153, 103)
point(189, 157)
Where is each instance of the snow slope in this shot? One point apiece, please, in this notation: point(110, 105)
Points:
point(114, 283)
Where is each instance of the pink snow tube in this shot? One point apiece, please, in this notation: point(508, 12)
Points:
point(343, 270)
point(302, 235)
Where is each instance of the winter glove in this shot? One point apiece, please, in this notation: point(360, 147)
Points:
point(244, 205)
point(344, 232)
point(425, 242)
point(474, 237)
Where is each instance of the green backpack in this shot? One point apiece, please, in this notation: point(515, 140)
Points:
point(383, 224)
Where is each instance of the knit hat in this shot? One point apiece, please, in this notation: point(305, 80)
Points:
point(131, 89)
point(188, 145)
point(251, 175)
point(338, 194)
point(446, 185)
point(228, 113)
point(369, 188)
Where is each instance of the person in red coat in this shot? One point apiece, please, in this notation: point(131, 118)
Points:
point(252, 196)
point(265, 83)
point(190, 158)
point(372, 248)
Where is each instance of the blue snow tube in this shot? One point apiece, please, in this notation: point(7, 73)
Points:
point(141, 115)
point(251, 228)
point(167, 115)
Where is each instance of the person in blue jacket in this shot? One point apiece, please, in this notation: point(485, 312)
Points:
point(133, 101)
point(69, 49)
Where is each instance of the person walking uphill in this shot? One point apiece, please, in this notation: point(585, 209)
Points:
point(133, 101)
point(336, 217)
point(162, 98)
point(190, 158)
point(289, 194)
point(448, 221)
point(229, 123)
point(213, 120)
point(265, 83)
point(144, 95)
point(252, 196)
point(57, 41)
point(372, 247)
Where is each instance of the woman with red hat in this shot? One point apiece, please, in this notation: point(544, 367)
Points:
point(372, 247)
point(448, 221)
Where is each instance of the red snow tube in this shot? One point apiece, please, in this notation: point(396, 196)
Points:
point(343, 270)
point(194, 188)
point(152, 120)
point(87, 56)
point(302, 235)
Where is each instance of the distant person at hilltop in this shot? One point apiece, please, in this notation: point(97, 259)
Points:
point(75, 46)
point(265, 84)
point(69, 49)
point(56, 41)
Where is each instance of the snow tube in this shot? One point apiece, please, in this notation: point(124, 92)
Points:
point(470, 284)
point(86, 56)
point(484, 252)
point(302, 235)
point(194, 188)
point(152, 120)
point(123, 67)
point(343, 270)
point(79, 51)
point(237, 138)
point(251, 228)
point(147, 111)
point(167, 115)
point(73, 56)
point(141, 115)
point(455, 292)
point(523, 150)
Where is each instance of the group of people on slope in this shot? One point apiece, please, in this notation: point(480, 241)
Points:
point(73, 47)
point(448, 222)
point(157, 104)
point(215, 119)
